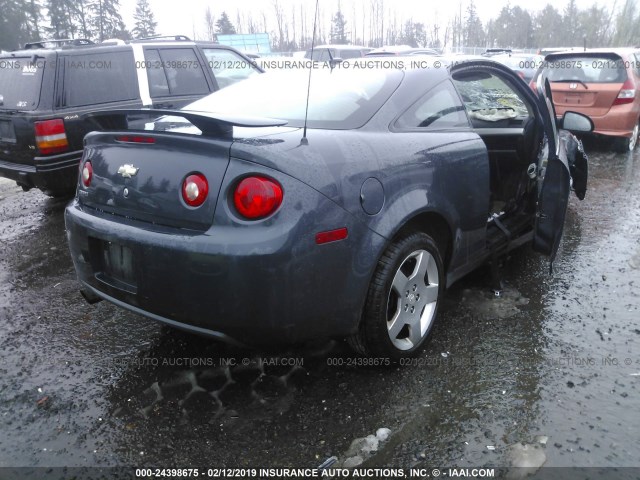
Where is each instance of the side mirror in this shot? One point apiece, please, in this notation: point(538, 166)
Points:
point(576, 122)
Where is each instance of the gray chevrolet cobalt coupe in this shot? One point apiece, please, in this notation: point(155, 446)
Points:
point(238, 219)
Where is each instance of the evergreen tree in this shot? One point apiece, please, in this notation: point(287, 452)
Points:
point(224, 25)
point(338, 23)
point(106, 21)
point(12, 22)
point(627, 32)
point(547, 25)
point(145, 25)
point(33, 19)
point(413, 34)
point(60, 19)
point(512, 28)
point(571, 35)
point(473, 32)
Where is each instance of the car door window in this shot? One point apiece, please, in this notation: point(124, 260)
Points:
point(175, 71)
point(490, 101)
point(95, 78)
point(228, 67)
point(347, 54)
point(440, 108)
point(158, 84)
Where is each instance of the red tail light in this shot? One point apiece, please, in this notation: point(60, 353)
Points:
point(257, 197)
point(195, 189)
point(86, 174)
point(51, 136)
point(627, 93)
point(135, 139)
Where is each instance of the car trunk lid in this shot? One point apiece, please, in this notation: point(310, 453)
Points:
point(592, 98)
point(139, 174)
point(143, 179)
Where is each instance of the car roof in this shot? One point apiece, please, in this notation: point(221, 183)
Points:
point(85, 45)
point(615, 51)
point(340, 47)
point(515, 54)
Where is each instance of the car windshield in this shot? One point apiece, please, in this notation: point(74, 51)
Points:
point(587, 69)
point(338, 99)
point(20, 83)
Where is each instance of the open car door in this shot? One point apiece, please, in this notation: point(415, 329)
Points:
point(561, 157)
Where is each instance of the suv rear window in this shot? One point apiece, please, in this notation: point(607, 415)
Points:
point(20, 83)
point(99, 78)
point(587, 69)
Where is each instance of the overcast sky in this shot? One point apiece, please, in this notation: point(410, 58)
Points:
point(183, 16)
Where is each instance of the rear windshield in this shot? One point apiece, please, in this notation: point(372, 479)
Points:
point(338, 99)
point(587, 69)
point(20, 82)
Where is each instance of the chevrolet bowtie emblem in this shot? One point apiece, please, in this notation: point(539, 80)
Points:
point(128, 171)
point(573, 85)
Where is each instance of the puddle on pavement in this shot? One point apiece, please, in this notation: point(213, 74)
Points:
point(486, 304)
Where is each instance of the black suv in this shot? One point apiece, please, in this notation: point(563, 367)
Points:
point(47, 87)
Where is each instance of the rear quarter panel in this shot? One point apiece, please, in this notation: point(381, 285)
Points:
point(442, 172)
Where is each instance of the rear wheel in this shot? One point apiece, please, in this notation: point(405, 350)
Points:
point(628, 144)
point(403, 299)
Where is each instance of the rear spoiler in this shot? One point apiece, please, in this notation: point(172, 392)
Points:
point(210, 124)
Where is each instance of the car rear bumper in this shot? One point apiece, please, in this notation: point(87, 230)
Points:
point(619, 121)
point(52, 174)
point(272, 285)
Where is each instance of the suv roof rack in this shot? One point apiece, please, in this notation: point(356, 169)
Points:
point(489, 52)
point(175, 38)
point(58, 43)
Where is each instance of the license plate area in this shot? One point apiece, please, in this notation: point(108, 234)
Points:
point(114, 264)
point(7, 133)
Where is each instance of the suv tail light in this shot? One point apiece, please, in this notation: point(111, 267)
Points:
point(86, 174)
point(51, 136)
point(257, 197)
point(195, 189)
point(627, 93)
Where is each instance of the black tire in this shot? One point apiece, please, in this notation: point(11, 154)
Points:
point(626, 145)
point(64, 194)
point(377, 336)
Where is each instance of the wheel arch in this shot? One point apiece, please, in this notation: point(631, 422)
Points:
point(436, 226)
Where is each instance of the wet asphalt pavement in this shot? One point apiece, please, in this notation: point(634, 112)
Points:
point(549, 372)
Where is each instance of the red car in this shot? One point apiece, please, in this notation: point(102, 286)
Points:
point(601, 83)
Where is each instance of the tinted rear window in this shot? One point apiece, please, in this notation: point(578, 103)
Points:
point(175, 71)
point(345, 54)
point(587, 69)
point(20, 83)
point(100, 78)
point(338, 99)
